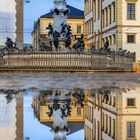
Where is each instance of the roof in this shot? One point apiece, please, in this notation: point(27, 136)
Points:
point(74, 13)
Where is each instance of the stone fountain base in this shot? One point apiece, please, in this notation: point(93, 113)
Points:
point(62, 45)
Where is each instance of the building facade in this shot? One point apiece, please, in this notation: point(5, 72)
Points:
point(11, 21)
point(112, 115)
point(75, 20)
point(114, 20)
point(40, 105)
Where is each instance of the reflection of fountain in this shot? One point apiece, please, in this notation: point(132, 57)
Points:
point(59, 110)
point(59, 107)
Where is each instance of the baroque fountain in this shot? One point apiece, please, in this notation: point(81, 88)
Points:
point(59, 54)
point(59, 34)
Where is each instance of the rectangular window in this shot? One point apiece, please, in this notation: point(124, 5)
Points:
point(131, 11)
point(110, 126)
point(114, 11)
point(106, 17)
point(98, 9)
point(103, 19)
point(110, 13)
point(130, 129)
point(78, 110)
point(130, 38)
point(114, 128)
point(130, 102)
point(78, 29)
point(106, 123)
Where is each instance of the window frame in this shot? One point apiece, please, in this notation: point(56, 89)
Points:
point(131, 11)
point(131, 137)
point(131, 106)
point(80, 29)
point(79, 111)
point(131, 34)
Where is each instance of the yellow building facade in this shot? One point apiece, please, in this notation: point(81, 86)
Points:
point(75, 20)
point(114, 20)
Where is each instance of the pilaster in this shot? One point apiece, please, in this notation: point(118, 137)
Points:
point(19, 23)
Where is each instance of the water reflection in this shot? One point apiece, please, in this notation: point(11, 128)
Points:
point(107, 113)
point(56, 105)
point(11, 115)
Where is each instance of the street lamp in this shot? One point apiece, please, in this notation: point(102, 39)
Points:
point(27, 138)
point(27, 1)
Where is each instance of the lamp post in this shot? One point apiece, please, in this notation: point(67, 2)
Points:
point(27, 1)
point(27, 138)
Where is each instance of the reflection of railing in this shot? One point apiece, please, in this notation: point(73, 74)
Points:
point(66, 61)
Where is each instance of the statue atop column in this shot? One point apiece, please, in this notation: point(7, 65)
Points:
point(59, 31)
point(60, 14)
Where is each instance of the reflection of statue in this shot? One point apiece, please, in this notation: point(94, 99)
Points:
point(80, 43)
point(60, 104)
point(56, 11)
point(59, 112)
point(93, 48)
point(10, 94)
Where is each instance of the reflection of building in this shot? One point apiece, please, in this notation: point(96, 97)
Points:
point(118, 21)
point(40, 105)
point(11, 21)
point(11, 118)
point(112, 115)
point(75, 20)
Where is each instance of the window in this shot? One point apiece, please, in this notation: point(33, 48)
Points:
point(110, 40)
point(98, 9)
point(130, 102)
point(110, 14)
point(130, 38)
point(106, 16)
point(106, 124)
point(103, 18)
point(78, 111)
point(114, 11)
point(110, 126)
point(130, 129)
point(114, 128)
point(79, 29)
point(131, 11)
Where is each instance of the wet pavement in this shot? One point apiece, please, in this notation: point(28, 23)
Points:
point(28, 101)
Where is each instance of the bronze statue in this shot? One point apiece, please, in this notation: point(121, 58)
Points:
point(50, 28)
point(80, 44)
point(10, 45)
point(56, 35)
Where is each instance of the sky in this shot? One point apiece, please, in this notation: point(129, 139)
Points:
point(36, 8)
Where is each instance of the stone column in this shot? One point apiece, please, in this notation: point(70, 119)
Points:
point(19, 23)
